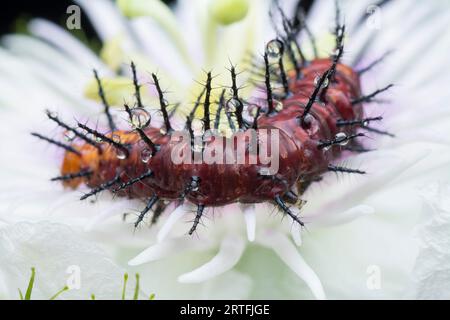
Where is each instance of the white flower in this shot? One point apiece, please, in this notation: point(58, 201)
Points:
point(378, 255)
point(432, 268)
point(57, 253)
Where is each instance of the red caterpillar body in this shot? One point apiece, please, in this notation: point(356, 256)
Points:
point(224, 183)
point(321, 111)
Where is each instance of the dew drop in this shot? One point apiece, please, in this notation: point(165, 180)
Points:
point(194, 186)
point(274, 49)
point(324, 84)
point(140, 118)
point(69, 136)
point(308, 119)
point(307, 122)
point(335, 52)
point(120, 154)
point(341, 138)
point(146, 155)
point(278, 106)
point(233, 104)
point(116, 138)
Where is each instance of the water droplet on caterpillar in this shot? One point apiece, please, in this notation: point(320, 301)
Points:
point(120, 154)
point(195, 185)
point(146, 155)
point(115, 138)
point(140, 118)
point(278, 105)
point(307, 120)
point(324, 84)
point(233, 104)
point(341, 138)
point(274, 49)
point(335, 53)
point(69, 136)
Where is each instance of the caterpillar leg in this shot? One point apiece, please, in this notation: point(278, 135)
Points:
point(282, 205)
point(147, 208)
point(160, 207)
point(198, 216)
point(291, 197)
point(102, 187)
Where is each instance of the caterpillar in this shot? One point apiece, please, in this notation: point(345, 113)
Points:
point(316, 115)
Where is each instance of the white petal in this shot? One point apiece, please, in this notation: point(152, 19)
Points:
point(296, 232)
point(166, 56)
point(161, 250)
point(50, 59)
point(228, 256)
point(55, 249)
point(187, 13)
point(106, 19)
point(287, 252)
point(250, 220)
point(65, 41)
point(113, 210)
point(386, 166)
point(432, 266)
point(345, 216)
point(170, 222)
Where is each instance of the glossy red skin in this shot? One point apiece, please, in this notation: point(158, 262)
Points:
point(221, 184)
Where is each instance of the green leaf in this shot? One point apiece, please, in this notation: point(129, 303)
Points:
point(20, 294)
point(30, 284)
point(66, 288)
